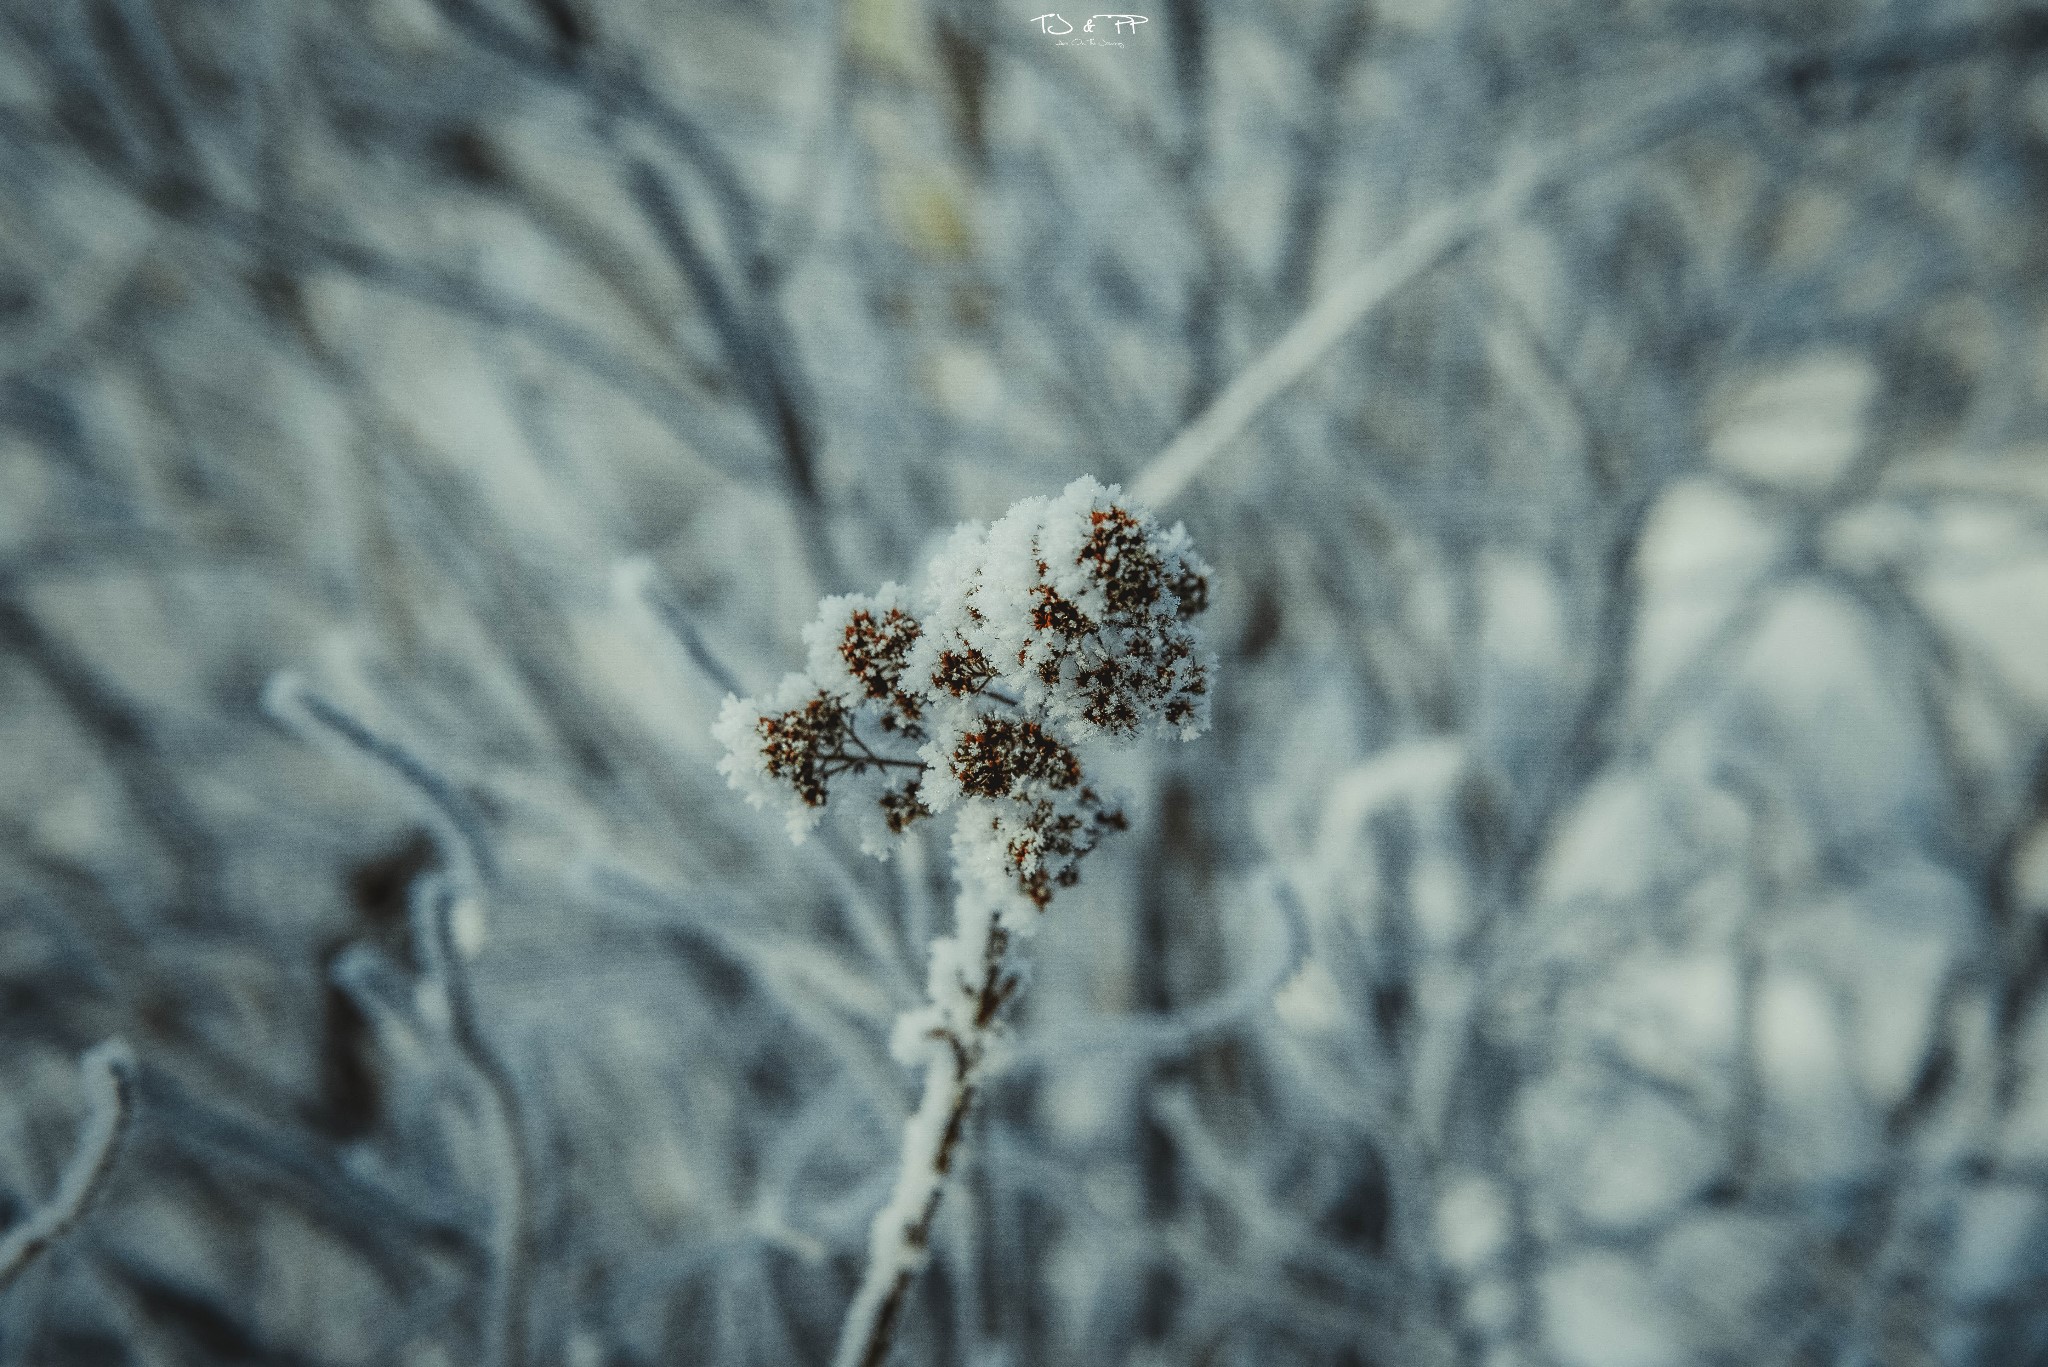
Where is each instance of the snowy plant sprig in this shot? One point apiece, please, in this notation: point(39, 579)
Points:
point(1029, 646)
point(1063, 627)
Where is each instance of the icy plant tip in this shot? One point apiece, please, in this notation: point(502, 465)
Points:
point(1062, 628)
point(1030, 646)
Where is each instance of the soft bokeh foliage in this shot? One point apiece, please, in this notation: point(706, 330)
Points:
point(1605, 927)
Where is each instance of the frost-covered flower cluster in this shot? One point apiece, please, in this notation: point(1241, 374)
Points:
point(1062, 628)
point(1064, 625)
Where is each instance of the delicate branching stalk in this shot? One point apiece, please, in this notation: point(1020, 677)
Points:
point(1061, 629)
point(439, 906)
point(108, 1075)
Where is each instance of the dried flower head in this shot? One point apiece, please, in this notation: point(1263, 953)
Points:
point(873, 646)
point(1066, 624)
point(1076, 607)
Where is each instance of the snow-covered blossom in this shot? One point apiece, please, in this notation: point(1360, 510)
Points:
point(1065, 625)
point(846, 716)
point(1077, 608)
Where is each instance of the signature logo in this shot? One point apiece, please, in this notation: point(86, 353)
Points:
point(1125, 23)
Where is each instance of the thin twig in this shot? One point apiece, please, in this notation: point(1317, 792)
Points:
point(635, 581)
point(108, 1075)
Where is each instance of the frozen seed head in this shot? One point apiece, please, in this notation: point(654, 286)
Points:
point(1065, 625)
point(1004, 757)
point(1044, 841)
point(872, 638)
point(962, 672)
point(1079, 609)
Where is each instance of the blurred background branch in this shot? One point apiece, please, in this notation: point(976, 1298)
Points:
point(1607, 928)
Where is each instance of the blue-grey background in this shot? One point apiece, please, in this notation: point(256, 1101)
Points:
point(1606, 927)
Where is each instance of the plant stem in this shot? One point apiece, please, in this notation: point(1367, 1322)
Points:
point(962, 1015)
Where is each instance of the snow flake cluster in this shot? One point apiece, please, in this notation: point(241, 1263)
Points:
point(1063, 626)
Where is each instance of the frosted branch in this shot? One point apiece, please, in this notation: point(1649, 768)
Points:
point(108, 1075)
point(956, 1034)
